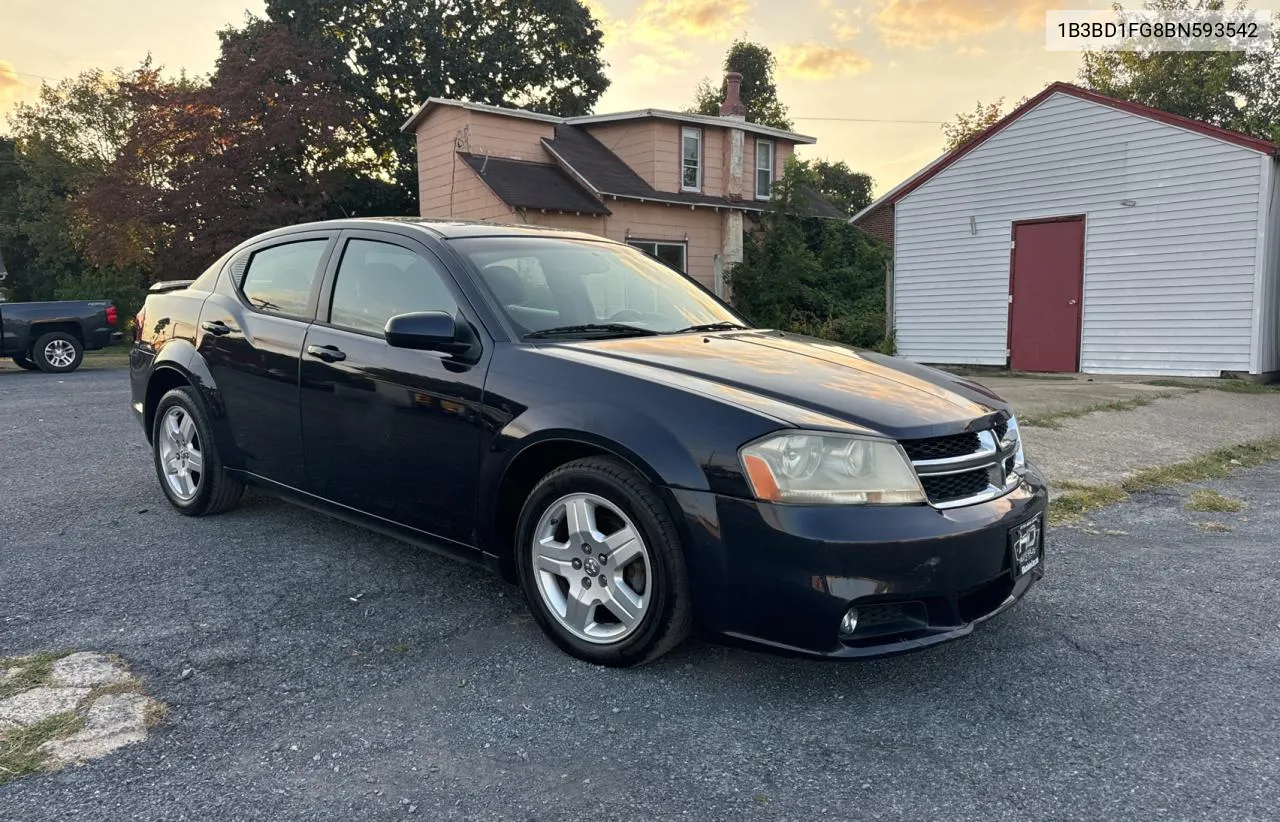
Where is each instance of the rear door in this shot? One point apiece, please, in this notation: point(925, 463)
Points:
point(251, 333)
point(389, 431)
point(1045, 291)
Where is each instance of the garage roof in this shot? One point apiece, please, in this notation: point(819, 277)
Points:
point(1199, 126)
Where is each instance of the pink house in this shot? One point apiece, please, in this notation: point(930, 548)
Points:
point(682, 187)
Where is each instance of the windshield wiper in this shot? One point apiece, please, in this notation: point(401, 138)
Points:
point(725, 326)
point(613, 329)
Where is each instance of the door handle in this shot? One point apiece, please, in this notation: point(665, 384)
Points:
point(216, 327)
point(328, 353)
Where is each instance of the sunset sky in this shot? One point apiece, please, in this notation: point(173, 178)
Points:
point(885, 60)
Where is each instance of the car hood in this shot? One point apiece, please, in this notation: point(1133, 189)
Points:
point(802, 381)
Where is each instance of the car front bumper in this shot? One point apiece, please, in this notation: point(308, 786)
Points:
point(783, 576)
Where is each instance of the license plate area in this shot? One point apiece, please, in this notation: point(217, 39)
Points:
point(1026, 545)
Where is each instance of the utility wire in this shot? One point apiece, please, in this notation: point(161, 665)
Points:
point(870, 120)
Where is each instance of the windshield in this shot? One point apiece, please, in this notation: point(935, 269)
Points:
point(551, 286)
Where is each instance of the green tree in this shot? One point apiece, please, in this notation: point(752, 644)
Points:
point(968, 125)
point(62, 143)
point(823, 278)
point(756, 64)
point(266, 142)
point(391, 55)
point(846, 189)
point(1235, 90)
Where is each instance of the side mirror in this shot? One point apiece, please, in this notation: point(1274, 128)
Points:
point(428, 331)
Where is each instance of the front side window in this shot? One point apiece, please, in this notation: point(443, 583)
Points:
point(278, 279)
point(376, 281)
point(673, 254)
point(691, 163)
point(544, 283)
point(764, 169)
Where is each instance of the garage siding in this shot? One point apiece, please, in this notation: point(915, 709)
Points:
point(1169, 280)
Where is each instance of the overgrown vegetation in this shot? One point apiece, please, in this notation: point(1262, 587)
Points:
point(20, 752)
point(823, 278)
point(1076, 500)
point(33, 671)
point(1211, 502)
point(1228, 385)
point(1053, 419)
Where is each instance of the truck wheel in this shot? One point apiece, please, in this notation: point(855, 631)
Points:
point(191, 474)
point(57, 353)
point(601, 564)
point(24, 361)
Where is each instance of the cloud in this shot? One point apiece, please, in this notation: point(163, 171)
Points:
point(818, 61)
point(842, 28)
point(666, 20)
point(970, 51)
point(925, 23)
point(11, 85)
point(646, 65)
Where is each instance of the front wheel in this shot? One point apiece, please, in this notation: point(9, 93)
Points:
point(57, 353)
point(191, 474)
point(602, 566)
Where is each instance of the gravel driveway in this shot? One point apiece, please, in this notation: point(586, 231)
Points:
point(1138, 681)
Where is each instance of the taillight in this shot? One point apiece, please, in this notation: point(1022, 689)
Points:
point(112, 316)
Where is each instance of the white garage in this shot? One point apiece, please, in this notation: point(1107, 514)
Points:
point(1083, 233)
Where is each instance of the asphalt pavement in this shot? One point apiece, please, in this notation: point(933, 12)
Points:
point(317, 671)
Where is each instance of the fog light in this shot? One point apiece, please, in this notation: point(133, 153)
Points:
point(849, 622)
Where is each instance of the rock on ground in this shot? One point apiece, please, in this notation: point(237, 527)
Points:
point(36, 704)
point(88, 670)
point(113, 721)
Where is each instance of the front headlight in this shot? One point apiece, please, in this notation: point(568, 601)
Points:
point(1014, 435)
point(832, 469)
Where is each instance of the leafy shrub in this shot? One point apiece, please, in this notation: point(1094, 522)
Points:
point(823, 278)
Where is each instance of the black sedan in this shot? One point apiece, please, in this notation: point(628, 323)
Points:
point(597, 427)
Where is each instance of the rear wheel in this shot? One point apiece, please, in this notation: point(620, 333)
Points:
point(191, 474)
point(24, 361)
point(601, 564)
point(57, 352)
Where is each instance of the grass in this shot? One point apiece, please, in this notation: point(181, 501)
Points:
point(1054, 419)
point(1207, 502)
point(36, 670)
point(1230, 386)
point(1076, 500)
point(20, 752)
point(1215, 527)
point(113, 356)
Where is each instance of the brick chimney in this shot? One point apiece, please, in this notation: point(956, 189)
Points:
point(732, 105)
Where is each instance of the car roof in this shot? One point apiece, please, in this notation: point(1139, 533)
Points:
point(443, 229)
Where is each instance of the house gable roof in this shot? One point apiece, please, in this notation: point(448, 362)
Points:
point(591, 119)
point(542, 186)
point(1198, 126)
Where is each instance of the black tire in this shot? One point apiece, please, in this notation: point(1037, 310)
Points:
point(216, 491)
point(50, 350)
point(24, 361)
point(668, 616)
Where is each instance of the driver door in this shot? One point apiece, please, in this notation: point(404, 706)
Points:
point(391, 432)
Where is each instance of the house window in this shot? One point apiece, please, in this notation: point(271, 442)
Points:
point(691, 159)
point(764, 169)
point(673, 254)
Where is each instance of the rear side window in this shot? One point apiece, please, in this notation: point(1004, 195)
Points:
point(278, 279)
point(376, 281)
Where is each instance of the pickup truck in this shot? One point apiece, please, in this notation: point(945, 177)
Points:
point(53, 336)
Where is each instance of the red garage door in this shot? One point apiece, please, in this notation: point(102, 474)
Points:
point(1046, 282)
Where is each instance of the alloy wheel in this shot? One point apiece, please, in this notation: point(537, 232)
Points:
point(593, 568)
point(180, 453)
point(60, 353)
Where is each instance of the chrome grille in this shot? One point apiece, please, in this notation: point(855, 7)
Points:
point(967, 468)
